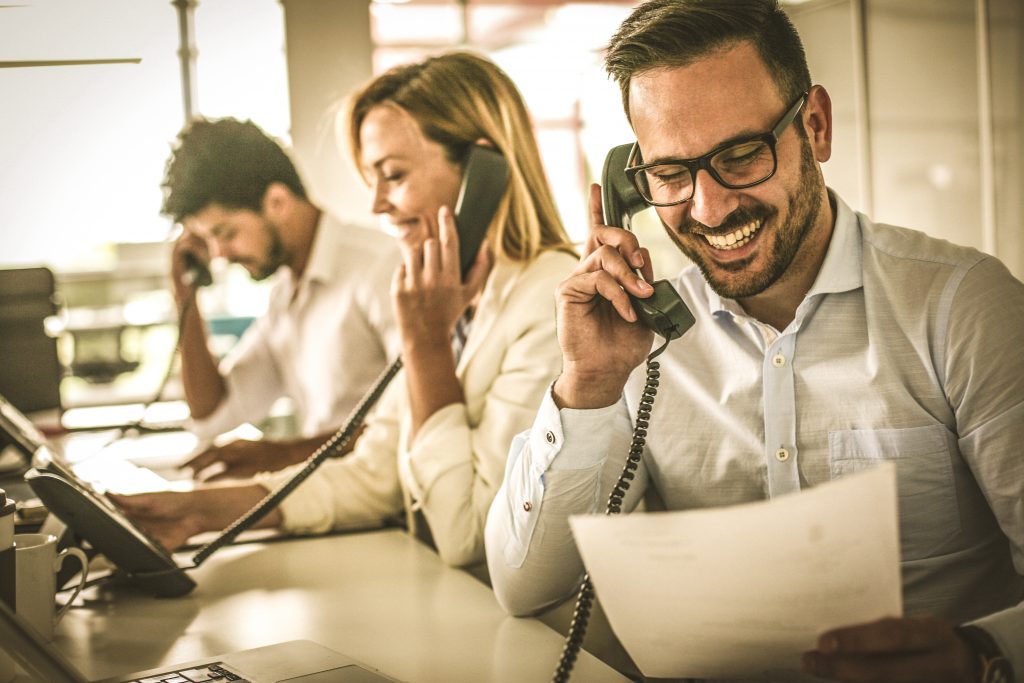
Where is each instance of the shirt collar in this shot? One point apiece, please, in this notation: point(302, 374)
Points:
point(327, 243)
point(322, 265)
point(841, 271)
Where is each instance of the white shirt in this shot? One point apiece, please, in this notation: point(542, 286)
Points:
point(906, 348)
point(450, 470)
point(323, 340)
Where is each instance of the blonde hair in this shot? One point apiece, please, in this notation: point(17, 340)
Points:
point(458, 98)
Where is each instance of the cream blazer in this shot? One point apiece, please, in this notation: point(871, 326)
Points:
point(454, 466)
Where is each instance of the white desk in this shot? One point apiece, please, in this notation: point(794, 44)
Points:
point(379, 597)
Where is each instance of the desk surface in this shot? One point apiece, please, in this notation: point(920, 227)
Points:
point(379, 597)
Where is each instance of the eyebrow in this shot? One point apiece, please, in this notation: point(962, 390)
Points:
point(739, 137)
point(384, 159)
point(218, 229)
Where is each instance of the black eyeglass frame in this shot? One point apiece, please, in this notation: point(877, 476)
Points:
point(704, 161)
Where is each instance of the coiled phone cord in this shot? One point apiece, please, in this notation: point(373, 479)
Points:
point(585, 598)
point(332, 447)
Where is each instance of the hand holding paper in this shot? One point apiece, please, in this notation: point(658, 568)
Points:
point(744, 590)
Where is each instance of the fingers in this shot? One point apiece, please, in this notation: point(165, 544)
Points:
point(203, 460)
point(433, 261)
point(924, 649)
point(609, 259)
point(141, 505)
point(646, 269)
point(436, 259)
point(622, 240)
point(885, 635)
point(927, 667)
point(449, 244)
point(411, 266)
point(585, 287)
point(596, 206)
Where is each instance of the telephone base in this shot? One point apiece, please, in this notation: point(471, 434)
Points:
point(147, 565)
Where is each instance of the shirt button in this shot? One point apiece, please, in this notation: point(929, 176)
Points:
point(550, 437)
point(778, 360)
point(527, 506)
point(782, 455)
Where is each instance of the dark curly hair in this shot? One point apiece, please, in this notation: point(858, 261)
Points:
point(674, 33)
point(227, 162)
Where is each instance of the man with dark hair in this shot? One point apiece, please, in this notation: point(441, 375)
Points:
point(824, 344)
point(329, 329)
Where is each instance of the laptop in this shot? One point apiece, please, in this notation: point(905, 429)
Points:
point(296, 661)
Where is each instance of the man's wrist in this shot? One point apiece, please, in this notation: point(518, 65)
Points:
point(991, 666)
point(586, 391)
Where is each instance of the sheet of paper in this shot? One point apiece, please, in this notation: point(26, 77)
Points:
point(744, 590)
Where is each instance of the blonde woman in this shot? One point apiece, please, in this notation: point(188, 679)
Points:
point(434, 450)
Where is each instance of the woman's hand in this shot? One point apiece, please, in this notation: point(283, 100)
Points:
point(429, 297)
point(428, 292)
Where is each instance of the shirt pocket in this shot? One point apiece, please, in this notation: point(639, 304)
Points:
point(926, 491)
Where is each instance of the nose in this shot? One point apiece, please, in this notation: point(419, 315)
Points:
point(217, 248)
point(380, 201)
point(711, 202)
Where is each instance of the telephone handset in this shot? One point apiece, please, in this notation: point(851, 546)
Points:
point(666, 314)
point(197, 274)
point(664, 311)
point(484, 172)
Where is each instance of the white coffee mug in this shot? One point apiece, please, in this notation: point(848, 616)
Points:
point(36, 565)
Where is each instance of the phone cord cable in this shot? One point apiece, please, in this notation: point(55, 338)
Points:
point(334, 446)
point(585, 598)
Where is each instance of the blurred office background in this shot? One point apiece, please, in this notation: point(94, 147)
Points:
point(928, 98)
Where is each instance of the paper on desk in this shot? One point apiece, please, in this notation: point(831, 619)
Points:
point(744, 590)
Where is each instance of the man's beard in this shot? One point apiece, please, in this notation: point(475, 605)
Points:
point(275, 256)
point(803, 209)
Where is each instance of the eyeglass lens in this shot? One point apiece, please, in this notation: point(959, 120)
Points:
point(742, 164)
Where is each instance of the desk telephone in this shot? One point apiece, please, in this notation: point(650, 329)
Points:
point(667, 315)
point(141, 560)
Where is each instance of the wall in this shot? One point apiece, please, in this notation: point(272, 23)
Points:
point(329, 55)
point(910, 141)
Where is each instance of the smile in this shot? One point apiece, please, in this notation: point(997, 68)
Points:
point(735, 239)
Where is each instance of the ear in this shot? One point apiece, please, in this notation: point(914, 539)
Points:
point(817, 121)
point(278, 201)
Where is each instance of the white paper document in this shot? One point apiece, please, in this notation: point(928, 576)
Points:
point(743, 591)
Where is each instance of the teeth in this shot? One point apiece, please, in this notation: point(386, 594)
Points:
point(734, 239)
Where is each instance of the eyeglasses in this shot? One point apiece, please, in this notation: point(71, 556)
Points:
point(734, 165)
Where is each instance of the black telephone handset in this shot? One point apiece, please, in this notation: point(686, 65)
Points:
point(664, 311)
point(197, 274)
point(484, 178)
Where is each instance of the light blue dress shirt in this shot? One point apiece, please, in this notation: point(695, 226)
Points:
point(906, 349)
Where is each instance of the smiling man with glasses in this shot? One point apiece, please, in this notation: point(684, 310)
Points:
point(824, 344)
